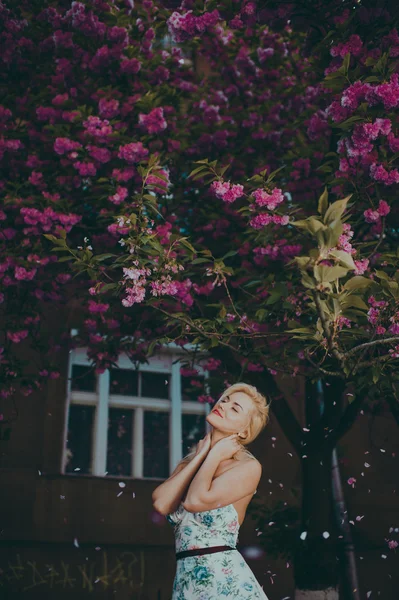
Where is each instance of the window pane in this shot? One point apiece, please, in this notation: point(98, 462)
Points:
point(123, 382)
point(192, 386)
point(193, 429)
point(79, 439)
point(156, 444)
point(119, 449)
point(155, 385)
point(83, 379)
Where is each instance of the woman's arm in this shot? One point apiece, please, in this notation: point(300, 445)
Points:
point(167, 496)
point(206, 493)
point(201, 484)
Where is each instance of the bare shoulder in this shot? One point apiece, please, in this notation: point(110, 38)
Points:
point(250, 462)
point(250, 459)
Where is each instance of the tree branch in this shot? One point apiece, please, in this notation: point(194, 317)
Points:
point(345, 423)
point(370, 344)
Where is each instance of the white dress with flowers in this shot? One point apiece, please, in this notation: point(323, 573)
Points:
point(211, 576)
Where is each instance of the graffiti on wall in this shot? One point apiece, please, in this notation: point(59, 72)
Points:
point(126, 569)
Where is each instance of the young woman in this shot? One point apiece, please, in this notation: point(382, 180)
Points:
point(206, 497)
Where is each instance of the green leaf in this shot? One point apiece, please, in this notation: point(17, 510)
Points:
point(382, 275)
point(346, 62)
point(65, 258)
point(187, 244)
point(314, 225)
point(108, 287)
point(102, 257)
point(323, 273)
point(197, 261)
point(336, 210)
point(308, 281)
point(358, 282)
point(230, 253)
point(55, 240)
point(197, 170)
point(323, 203)
point(344, 257)
point(348, 122)
point(261, 314)
point(354, 301)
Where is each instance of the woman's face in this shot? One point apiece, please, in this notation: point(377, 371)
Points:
point(235, 413)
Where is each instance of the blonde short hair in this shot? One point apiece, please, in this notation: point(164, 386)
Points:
point(259, 417)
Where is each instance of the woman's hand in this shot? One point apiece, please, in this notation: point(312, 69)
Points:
point(203, 446)
point(227, 447)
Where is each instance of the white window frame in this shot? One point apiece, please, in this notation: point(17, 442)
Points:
point(167, 361)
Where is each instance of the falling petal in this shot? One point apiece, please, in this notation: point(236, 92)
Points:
point(76, 543)
point(326, 535)
point(303, 535)
point(122, 484)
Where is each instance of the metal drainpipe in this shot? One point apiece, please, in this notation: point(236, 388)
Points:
point(341, 515)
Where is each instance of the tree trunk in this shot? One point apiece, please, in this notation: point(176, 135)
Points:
point(316, 567)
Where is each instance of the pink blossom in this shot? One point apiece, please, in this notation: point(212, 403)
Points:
point(186, 26)
point(262, 198)
point(354, 46)
point(108, 109)
point(133, 152)
point(97, 307)
point(212, 364)
point(154, 122)
point(85, 168)
point(354, 94)
point(102, 155)
point(227, 192)
point(23, 274)
point(163, 286)
point(254, 367)
point(119, 196)
point(134, 295)
point(64, 145)
point(130, 66)
point(361, 266)
point(383, 208)
point(205, 399)
point(17, 336)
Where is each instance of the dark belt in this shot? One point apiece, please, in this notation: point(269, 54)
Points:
point(200, 551)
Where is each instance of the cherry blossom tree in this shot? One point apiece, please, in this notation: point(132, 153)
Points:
point(235, 190)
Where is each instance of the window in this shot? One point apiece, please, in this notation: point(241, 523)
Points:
point(132, 423)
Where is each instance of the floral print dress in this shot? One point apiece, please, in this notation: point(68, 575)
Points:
point(211, 576)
